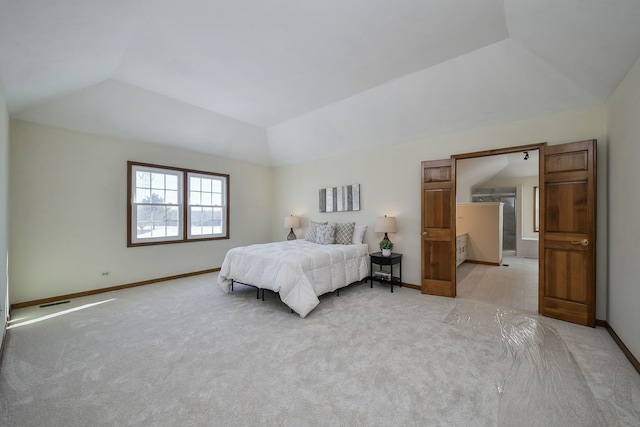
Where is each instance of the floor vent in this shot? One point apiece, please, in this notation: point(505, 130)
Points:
point(55, 303)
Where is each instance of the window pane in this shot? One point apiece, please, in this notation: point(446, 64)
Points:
point(171, 221)
point(206, 199)
point(157, 180)
point(194, 183)
point(155, 198)
point(142, 194)
point(143, 179)
point(207, 214)
point(217, 220)
point(206, 191)
point(203, 221)
point(143, 225)
point(157, 221)
point(196, 221)
point(172, 182)
point(171, 197)
point(194, 198)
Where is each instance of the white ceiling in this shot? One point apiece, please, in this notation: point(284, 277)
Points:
point(283, 81)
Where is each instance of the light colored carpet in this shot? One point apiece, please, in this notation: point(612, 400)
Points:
point(183, 353)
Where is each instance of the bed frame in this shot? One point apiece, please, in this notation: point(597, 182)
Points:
point(258, 296)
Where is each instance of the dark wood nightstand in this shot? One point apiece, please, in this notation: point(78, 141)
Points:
point(391, 260)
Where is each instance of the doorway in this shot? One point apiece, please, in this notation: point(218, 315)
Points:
point(510, 277)
point(567, 227)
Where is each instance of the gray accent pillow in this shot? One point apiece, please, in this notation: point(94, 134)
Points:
point(325, 234)
point(312, 231)
point(344, 232)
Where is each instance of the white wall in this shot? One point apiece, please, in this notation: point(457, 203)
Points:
point(4, 209)
point(624, 210)
point(69, 204)
point(483, 223)
point(390, 180)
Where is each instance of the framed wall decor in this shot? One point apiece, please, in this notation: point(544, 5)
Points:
point(340, 199)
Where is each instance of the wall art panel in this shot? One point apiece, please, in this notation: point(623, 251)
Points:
point(340, 199)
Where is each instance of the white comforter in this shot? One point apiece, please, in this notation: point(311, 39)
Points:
point(298, 270)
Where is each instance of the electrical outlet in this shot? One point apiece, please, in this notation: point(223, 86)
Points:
point(105, 273)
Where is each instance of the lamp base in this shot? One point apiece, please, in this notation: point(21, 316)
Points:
point(292, 235)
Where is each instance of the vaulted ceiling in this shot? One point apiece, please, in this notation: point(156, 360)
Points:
point(283, 81)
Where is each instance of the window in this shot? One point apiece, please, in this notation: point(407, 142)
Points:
point(170, 205)
point(206, 205)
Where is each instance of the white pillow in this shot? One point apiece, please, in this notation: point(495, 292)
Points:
point(358, 234)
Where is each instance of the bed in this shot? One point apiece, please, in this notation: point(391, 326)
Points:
point(298, 270)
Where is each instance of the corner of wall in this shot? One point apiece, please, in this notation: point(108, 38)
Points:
point(4, 211)
point(622, 174)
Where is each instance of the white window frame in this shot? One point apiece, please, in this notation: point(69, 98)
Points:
point(220, 207)
point(183, 205)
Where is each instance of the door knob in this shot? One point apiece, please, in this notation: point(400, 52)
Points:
point(583, 242)
point(424, 233)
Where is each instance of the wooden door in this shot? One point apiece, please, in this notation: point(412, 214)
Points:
point(567, 276)
point(438, 228)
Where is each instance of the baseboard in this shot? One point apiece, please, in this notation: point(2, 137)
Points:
point(472, 261)
point(634, 361)
point(109, 289)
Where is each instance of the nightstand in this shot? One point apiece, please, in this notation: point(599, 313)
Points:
point(386, 277)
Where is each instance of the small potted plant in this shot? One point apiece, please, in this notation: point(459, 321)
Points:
point(386, 246)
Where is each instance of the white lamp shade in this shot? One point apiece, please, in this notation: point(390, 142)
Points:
point(386, 224)
point(291, 222)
